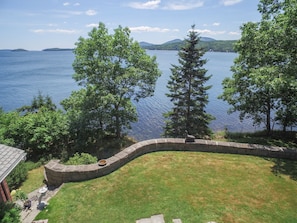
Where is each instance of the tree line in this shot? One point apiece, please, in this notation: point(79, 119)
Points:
point(113, 70)
point(210, 45)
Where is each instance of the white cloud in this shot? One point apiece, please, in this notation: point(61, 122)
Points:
point(68, 3)
point(92, 25)
point(184, 5)
point(153, 4)
point(234, 33)
point(171, 5)
point(66, 13)
point(75, 12)
point(151, 29)
point(230, 2)
point(52, 25)
point(91, 12)
point(63, 31)
point(213, 24)
point(208, 32)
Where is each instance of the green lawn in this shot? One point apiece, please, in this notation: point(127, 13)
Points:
point(195, 187)
point(34, 180)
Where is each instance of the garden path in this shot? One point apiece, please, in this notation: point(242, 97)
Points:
point(27, 216)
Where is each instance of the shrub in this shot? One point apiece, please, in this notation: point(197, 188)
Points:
point(9, 213)
point(30, 165)
point(21, 195)
point(17, 176)
point(79, 159)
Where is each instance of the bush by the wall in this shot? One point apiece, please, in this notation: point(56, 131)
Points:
point(80, 159)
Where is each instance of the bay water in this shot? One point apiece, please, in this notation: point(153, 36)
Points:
point(25, 73)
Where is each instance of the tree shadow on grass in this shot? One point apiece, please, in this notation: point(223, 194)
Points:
point(286, 167)
point(275, 138)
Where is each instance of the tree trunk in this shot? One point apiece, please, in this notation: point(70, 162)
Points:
point(188, 104)
point(117, 124)
point(268, 116)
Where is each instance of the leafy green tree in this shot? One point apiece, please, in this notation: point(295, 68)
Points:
point(113, 70)
point(39, 128)
point(285, 18)
point(264, 73)
point(41, 133)
point(250, 90)
point(5, 120)
point(188, 92)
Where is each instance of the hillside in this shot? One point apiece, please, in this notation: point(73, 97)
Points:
point(207, 43)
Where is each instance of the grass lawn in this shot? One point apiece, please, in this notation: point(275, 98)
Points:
point(34, 181)
point(195, 187)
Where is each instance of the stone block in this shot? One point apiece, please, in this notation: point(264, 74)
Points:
point(158, 218)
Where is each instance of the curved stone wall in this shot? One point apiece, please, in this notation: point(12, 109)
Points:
point(57, 173)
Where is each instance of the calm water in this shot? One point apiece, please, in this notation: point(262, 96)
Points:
point(23, 74)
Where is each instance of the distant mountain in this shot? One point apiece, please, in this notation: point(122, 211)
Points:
point(58, 49)
point(207, 39)
point(174, 41)
point(145, 44)
point(209, 44)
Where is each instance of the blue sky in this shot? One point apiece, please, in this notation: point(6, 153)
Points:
point(39, 24)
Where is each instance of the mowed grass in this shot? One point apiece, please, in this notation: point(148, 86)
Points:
point(34, 180)
point(195, 187)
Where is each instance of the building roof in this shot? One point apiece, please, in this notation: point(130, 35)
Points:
point(10, 157)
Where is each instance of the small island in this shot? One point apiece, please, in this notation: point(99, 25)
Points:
point(19, 50)
point(58, 49)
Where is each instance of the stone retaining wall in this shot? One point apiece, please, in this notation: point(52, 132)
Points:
point(57, 173)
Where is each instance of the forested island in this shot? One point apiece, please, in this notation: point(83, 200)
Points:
point(19, 50)
point(206, 43)
point(57, 49)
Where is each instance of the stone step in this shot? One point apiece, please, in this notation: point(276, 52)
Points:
point(176, 220)
point(158, 218)
point(153, 219)
point(144, 220)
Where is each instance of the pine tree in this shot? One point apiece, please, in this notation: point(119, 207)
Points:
point(188, 92)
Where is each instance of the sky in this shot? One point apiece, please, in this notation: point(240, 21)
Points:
point(40, 24)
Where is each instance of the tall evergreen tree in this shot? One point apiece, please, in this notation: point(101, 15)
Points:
point(188, 92)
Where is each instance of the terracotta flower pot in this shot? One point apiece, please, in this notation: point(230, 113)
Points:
point(102, 162)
